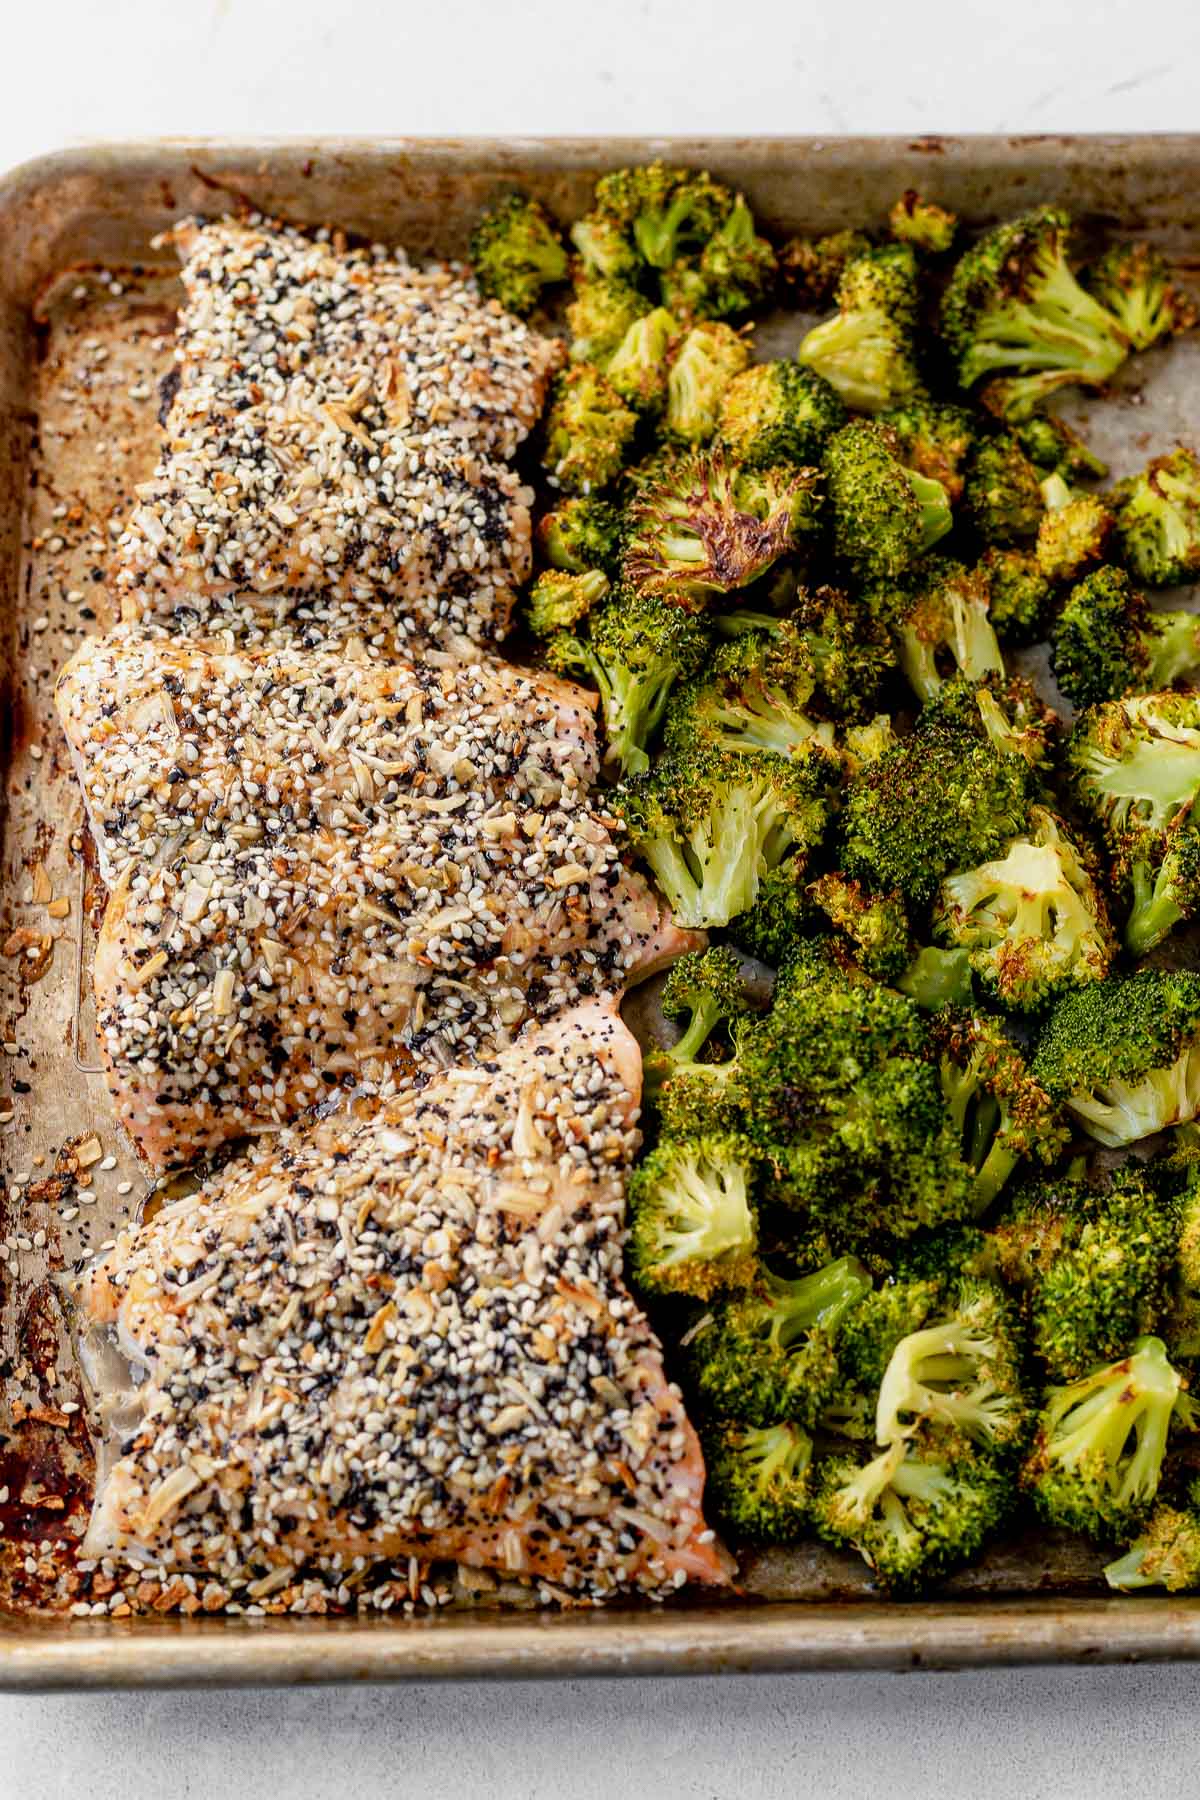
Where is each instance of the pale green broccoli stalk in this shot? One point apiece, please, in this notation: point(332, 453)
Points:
point(558, 600)
point(1098, 1455)
point(937, 978)
point(1013, 307)
point(867, 351)
point(1131, 281)
point(703, 364)
point(516, 252)
point(778, 412)
point(1032, 920)
point(637, 367)
point(1158, 520)
point(692, 1224)
point(588, 431)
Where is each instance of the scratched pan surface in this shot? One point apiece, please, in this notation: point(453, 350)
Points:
point(86, 313)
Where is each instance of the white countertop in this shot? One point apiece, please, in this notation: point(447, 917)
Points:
point(80, 70)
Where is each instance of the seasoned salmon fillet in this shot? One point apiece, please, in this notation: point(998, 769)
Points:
point(408, 1335)
point(330, 873)
point(339, 423)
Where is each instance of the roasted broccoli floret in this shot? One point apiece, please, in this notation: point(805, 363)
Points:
point(692, 1224)
point(1167, 1554)
point(1006, 711)
point(870, 1333)
point(1002, 492)
point(1123, 1056)
point(1032, 919)
point(934, 440)
point(1057, 449)
point(1158, 520)
point(599, 316)
point(705, 988)
point(701, 528)
point(587, 431)
point(810, 268)
point(1013, 305)
point(922, 223)
point(758, 1479)
point(581, 534)
point(1075, 531)
point(733, 271)
point(769, 1353)
point(961, 1372)
point(943, 629)
point(558, 600)
point(1021, 598)
point(711, 823)
point(939, 799)
point(637, 367)
point(782, 914)
point(885, 517)
point(703, 364)
point(778, 412)
point(635, 648)
point(1132, 282)
point(915, 1510)
point(669, 212)
point(844, 1102)
point(867, 350)
point(999, 1109)
point(516, 252)
point(1135, 765)
point(752, 696)
point(876, 924)
point(852, 654)
point(1098, 1453)
point(1107, 643)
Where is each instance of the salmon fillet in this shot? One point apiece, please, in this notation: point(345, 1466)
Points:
point(337, 423)
point(408, 1335)
point(328, 873)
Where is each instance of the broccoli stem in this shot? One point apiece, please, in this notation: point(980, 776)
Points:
point(1173, 645)
point(822, 1298)
point(1126, 1571)
point(935, 509)
point(1154, 911)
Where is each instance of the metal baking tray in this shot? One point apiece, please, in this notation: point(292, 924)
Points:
point(85, 324)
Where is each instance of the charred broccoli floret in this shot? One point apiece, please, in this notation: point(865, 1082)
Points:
point(778, 413)
point(649, 217)
point(635, 649)
point(705, 988)
point(692, 1224)
point(1075, 531)
point(867, 350)
point(876, 924)
point(943, 628)
point(1032, 919)
point(972, 802)
point(702, 528)
point(810, 268)
point(769, 1353)
point(712, 823)
point(752, 696)
point(587, 431)
point(581, 534)
point(922, 223)
point(703, 364)
point(885, 517)
point(1002, 492)
point(1057, 448)
point(1167, 1553)
point(1107, 643)
point(1132, 282)
point(558, 600)
point(1098, 1454)
point(733, 271)
point(1158, 520)
point(915, 1510)
point(637, 366)
point(516, 252)
point(1006, 711)
point(934, 440)
point(851, 653)
point(599, 316)
point(1123, 1056)
point(758, 1479)
point(999, 1109)
point(1021, 598)
point(960, 1372)
point(781, 916)
point(1013, 305)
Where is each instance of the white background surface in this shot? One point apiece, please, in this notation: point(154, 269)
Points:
point(85, 69)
